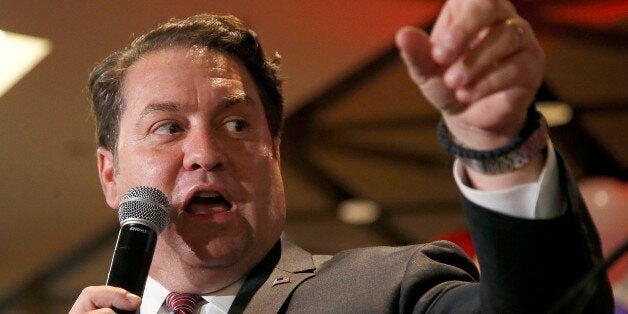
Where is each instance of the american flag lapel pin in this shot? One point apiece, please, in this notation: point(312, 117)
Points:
point(281, 280)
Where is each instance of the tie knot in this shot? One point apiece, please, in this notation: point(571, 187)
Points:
point(182, 303)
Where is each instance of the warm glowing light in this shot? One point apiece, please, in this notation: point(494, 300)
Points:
point(556, 113)
point(18, 55)
point(598, 13)
point(358, 211)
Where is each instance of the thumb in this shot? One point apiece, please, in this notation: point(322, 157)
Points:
point(415, 49)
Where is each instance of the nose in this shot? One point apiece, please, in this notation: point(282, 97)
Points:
point(200, 151)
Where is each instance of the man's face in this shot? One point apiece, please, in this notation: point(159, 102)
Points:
point(193, 126)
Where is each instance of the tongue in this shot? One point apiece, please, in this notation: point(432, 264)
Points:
point(207, 205)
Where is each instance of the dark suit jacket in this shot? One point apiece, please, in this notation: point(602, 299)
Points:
point(526, 266)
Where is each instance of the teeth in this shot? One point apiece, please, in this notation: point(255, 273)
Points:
point(208, 194)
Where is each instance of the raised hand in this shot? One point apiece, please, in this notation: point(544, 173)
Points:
point(480, 67)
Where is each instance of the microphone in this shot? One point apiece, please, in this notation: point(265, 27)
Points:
point(143, 214)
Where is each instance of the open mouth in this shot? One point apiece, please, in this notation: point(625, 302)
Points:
point(207, 203)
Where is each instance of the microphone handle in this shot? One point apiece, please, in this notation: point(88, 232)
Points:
point(132, 258)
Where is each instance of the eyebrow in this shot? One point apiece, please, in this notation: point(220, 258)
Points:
point(233, 99)
point(226, 102)
point(160, 106)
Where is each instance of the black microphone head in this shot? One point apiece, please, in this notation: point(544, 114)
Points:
point(145, 205)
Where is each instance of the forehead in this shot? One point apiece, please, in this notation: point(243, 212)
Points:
point(185, 73)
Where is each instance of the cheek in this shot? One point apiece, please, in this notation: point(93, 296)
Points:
point(153, 168)
point(277, 202)
point(265, 211)
point(257, 169)
point(248, 161)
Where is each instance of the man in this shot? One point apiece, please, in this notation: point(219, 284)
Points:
point(194, 109)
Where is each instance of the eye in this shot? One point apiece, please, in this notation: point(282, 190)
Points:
point(168, 128)
point(237, 126)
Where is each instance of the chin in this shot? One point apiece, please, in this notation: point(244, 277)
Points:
point(218, 253)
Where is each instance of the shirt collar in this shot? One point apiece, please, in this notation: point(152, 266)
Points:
point(155, 294)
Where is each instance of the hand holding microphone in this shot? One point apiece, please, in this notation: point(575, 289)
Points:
point(143, 214)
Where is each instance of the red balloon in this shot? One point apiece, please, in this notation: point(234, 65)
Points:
point(607, 200)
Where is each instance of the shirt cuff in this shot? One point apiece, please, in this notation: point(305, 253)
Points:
point(535, 200)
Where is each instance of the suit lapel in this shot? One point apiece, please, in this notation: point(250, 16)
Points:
point(272, 281)
point(271, 297)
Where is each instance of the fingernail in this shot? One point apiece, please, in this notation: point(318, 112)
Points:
point(132, 297)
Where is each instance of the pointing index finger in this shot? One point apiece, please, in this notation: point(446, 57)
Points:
point(460, 21)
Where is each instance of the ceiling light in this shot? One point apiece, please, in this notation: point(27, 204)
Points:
point(18, 55)
point(357, 211)
point(556, 113)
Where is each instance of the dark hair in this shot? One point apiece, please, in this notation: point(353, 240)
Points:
point(224, 33)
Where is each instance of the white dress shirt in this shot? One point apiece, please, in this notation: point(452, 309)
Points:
point(536, 200)
point(220, 301)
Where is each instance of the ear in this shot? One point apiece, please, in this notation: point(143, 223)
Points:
point(277, 147)
point(106, 173)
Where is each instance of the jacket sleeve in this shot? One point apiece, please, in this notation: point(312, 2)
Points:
point(527, 265)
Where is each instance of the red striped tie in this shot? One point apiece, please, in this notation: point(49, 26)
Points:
point(182, 303)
